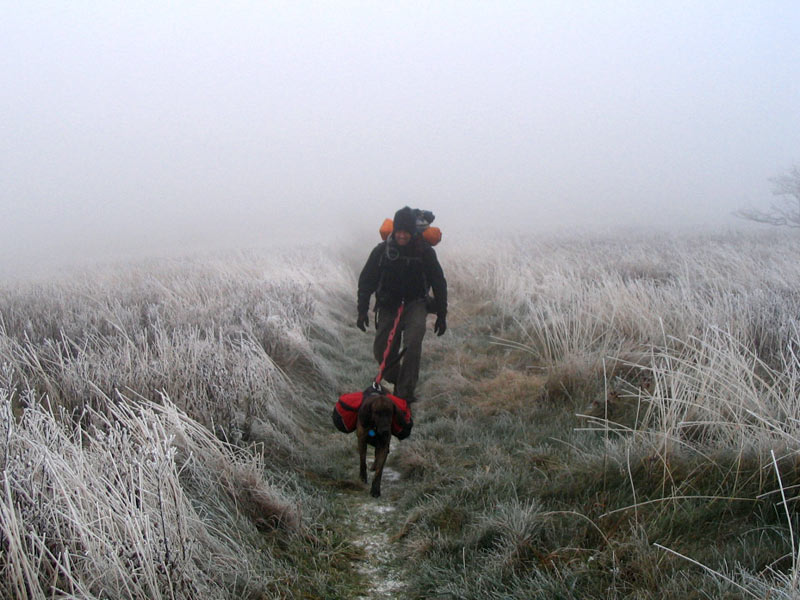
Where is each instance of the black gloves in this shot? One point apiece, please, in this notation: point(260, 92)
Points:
point(441, 325)
point(438, 328)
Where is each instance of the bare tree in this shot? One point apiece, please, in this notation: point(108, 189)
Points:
point(786, 209)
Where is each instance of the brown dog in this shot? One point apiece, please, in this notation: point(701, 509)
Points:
point(374, 427)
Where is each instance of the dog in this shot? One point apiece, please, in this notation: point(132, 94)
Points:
point(374, 427)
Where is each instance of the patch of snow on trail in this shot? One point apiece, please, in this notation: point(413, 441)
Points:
point(372, 520)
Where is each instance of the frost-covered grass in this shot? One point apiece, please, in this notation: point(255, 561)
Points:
point(227, 341)
point(608, 415)
point(144, 503)
point(598, 296)
point(705, 329)
point(605, 418)
point(153, 420)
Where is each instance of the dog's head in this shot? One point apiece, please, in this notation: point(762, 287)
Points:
point(376, 415)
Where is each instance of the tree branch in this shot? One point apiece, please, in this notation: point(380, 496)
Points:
point(784, 212)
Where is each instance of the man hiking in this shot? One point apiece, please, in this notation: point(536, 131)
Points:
point(401, 271)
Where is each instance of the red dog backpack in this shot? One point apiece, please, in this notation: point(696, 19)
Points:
point(345, 414)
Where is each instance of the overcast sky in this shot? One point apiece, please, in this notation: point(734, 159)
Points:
point(194, 124)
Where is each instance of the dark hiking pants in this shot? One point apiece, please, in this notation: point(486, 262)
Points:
point(409, 334)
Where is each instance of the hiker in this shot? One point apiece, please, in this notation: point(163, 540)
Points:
point(402, 270)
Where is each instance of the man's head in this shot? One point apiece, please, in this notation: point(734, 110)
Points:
point(405, 225)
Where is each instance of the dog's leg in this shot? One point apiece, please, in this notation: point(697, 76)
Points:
point(362, 455)
point(381, 452)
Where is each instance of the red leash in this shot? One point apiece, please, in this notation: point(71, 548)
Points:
point(377, 383)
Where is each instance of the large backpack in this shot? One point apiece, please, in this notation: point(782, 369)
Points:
point(432, 235)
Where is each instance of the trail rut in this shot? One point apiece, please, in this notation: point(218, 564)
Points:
point(372, 522)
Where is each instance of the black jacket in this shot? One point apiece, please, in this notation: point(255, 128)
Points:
point(402, 273)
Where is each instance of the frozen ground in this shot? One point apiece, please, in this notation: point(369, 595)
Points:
point(372, 522)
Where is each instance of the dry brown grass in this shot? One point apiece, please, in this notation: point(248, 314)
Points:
point(511, 390)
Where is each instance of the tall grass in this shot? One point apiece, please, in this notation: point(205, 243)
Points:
point(225, 341)
point(718, 306)
point(680, 352)
point(160, 423)
point(152, 420)
point(113, 510)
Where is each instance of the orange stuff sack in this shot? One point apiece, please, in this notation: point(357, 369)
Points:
point(386, 229)
point(432, 235)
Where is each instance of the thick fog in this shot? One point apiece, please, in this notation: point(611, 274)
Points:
point(147, 127)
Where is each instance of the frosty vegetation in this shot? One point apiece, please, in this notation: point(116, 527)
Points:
point(128, 397)
point(705, 329)
point(165, 425)
point(680, 356)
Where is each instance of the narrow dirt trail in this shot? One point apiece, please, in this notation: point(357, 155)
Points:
point(372, 522)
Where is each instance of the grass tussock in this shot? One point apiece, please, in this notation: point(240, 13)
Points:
point(107, 511)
